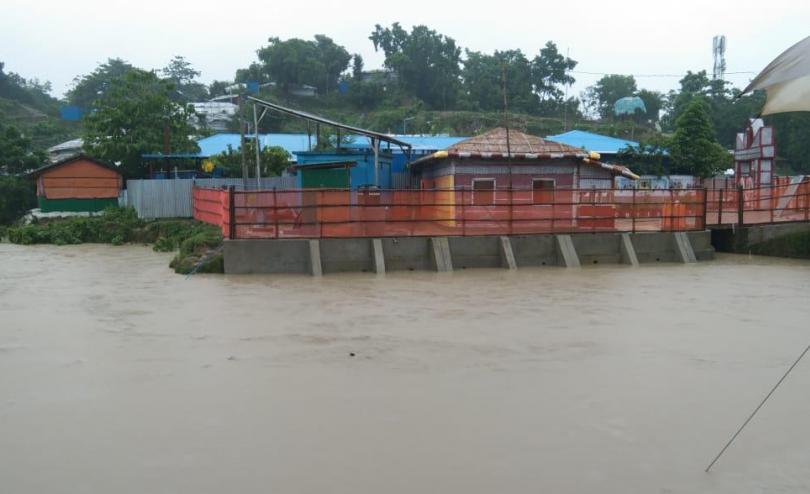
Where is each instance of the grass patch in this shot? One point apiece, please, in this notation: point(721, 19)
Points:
point(118, 226)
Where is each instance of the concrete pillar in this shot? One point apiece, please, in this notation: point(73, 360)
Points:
point(628, 252)
point(379, 258)
point(684, 247)
point(441, 254)
point(315, 258)
point(566, 250)
point(507, 255)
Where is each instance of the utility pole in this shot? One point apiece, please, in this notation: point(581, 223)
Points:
point(258, 145)
point(506, 122)
point(242, 146)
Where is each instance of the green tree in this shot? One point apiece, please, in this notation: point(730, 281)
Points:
point(357, 66)
point(296, 61)
point(182, 74)
point(650, 157)
point(218, 88)
point(334, 59)
point(792, 143)
point(88, 88)
point(273, 160)
point(483, 77)
point(133, 117)
point(17, 154)
point(16, 197)
point(426, 62)
point(550, 71)
point(653, 101)
point(608, 90)
point(694, 147)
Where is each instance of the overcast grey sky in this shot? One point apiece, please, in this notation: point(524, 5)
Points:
point(57, 40)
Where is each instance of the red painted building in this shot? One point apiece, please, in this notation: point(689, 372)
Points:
point(492, 161)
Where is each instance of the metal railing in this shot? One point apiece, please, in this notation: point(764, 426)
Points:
point(782, 203)
point(329, 213)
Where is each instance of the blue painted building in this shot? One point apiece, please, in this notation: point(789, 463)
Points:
point(607, 146)
point(361, 175)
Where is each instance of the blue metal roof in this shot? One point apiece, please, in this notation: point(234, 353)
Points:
point(418, 142)
point(296, 143)
point(592, 142)
point(218, 143)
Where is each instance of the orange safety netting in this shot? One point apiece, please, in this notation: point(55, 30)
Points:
point(322, 213)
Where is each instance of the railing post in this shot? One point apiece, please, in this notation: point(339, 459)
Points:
point(231, 213)
point(511, 207)
point(720, 208)
point(275, 212)
point(705, 206)
point(633, 210)
point(740, 206)
point(463, 215)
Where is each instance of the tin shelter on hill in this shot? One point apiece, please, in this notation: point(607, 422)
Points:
point(77, 184)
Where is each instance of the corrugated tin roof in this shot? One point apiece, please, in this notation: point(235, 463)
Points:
point(417, 142)
point(495, 142)
point(592, 142)
point(218, 143)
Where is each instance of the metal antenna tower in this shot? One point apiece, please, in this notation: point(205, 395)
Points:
point(719, 51)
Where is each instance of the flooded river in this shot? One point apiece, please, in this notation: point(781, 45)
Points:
point(118, 376)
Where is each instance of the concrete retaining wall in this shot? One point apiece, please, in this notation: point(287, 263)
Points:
point(742, 239)
point(446, 254)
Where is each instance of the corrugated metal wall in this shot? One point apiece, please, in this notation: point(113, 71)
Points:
point(172, 198)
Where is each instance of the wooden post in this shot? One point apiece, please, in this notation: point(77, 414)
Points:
point(740, 206)
point(231, 213)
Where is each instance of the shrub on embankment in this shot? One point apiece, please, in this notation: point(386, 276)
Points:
point(796, 245)
point(117, 226)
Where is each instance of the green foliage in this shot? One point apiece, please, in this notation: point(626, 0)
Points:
point(426, 62)
point(297, 62)
point(648, 158)
point(607, 91)
point(17, 154)
point(29, 92)
point(183, 76)
point(131, 119)
point(118, 226)
point(653, 102)
point(694, 147)
point(484, 77)
point(550, 70)
point(273, 160)
point(91, 87)
point(17, 196)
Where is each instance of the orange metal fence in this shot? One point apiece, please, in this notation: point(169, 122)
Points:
point(781, 203)
point(213, 206)
point(328, 213)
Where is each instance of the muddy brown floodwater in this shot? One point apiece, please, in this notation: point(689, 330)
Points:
point(118, 376)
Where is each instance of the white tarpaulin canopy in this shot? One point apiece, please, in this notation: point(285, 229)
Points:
point(786, 80)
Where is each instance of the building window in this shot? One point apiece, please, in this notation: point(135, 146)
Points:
point(542, 191)
point(483, 191)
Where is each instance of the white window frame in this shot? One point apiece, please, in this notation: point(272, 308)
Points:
point(483, 179)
